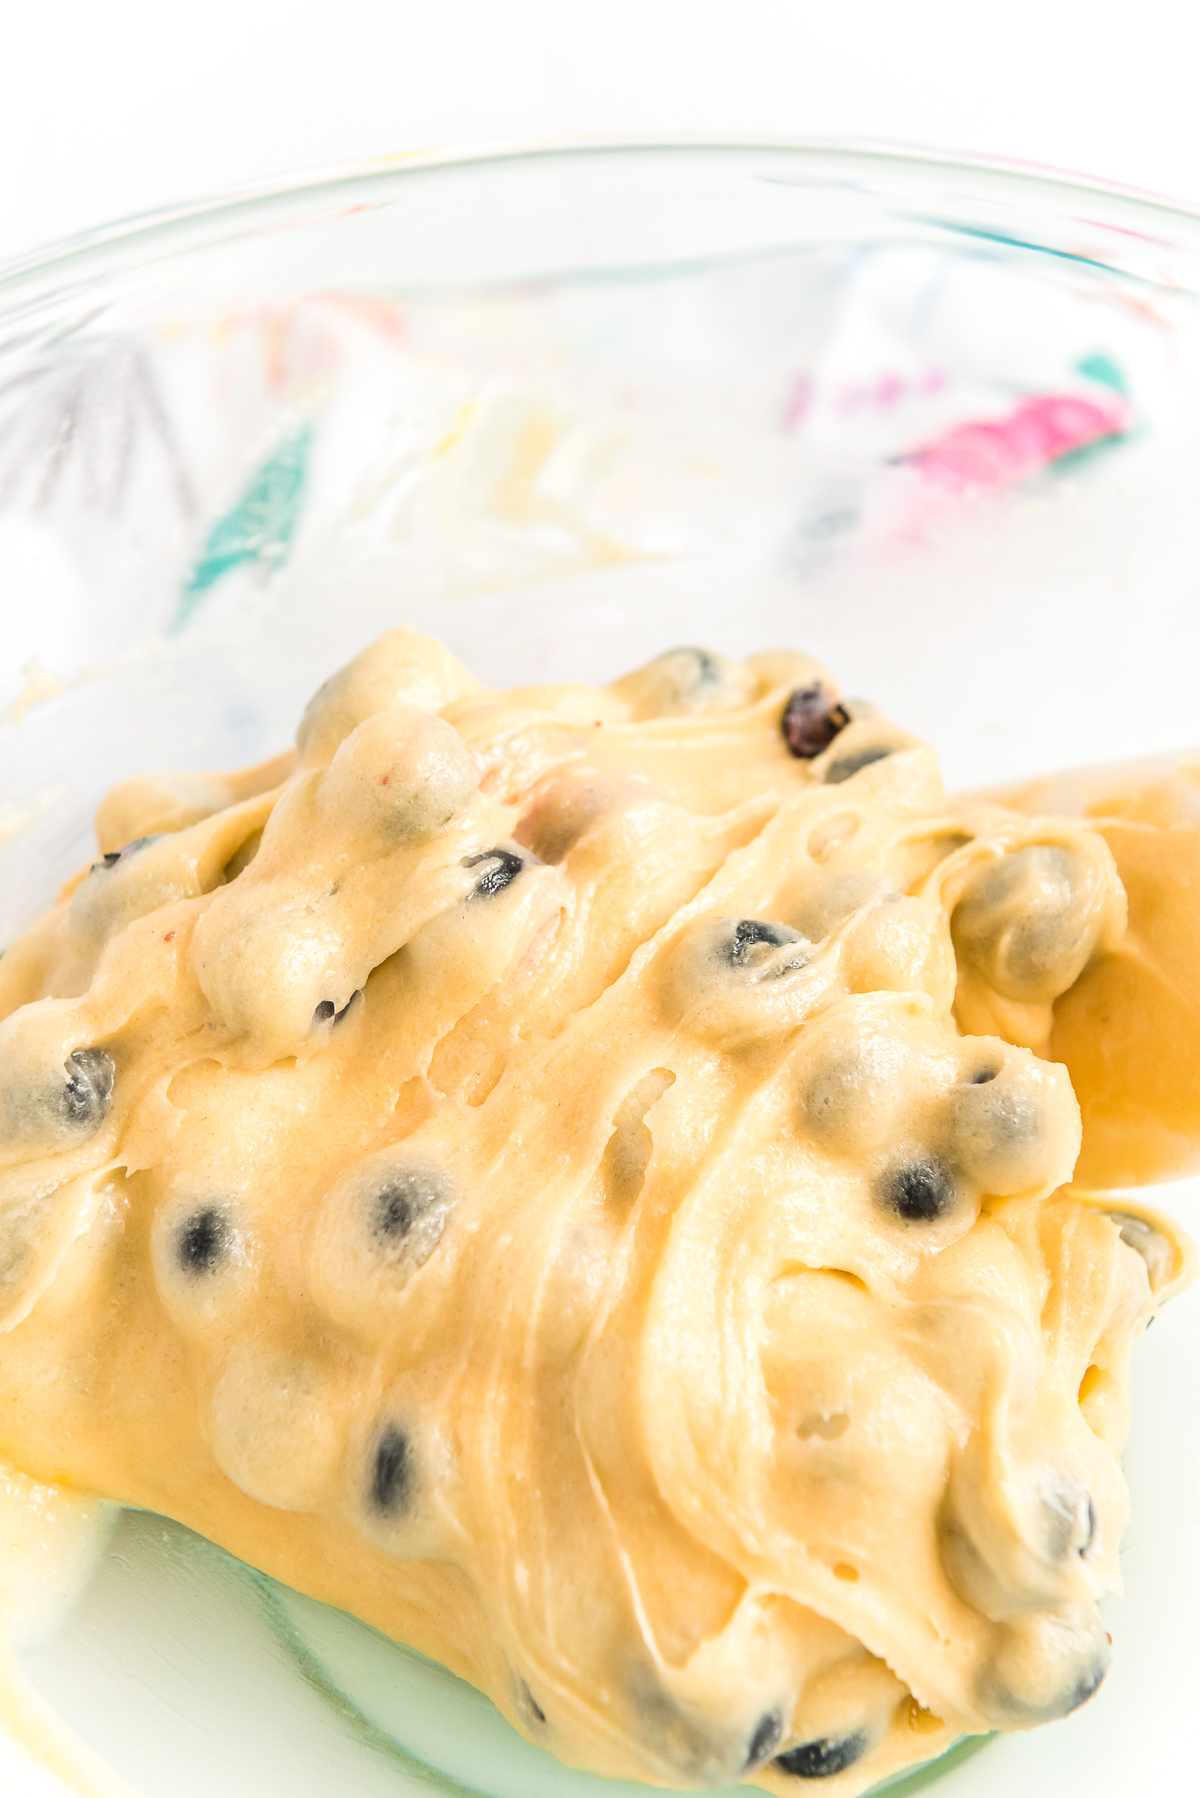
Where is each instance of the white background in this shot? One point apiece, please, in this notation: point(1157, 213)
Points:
point(111, 106)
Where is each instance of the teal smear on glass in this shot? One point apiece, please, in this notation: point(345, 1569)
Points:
point(919, 1779)
point(297, 1624)
point(1101, 367)
point(1075, 459)
point(420, 1773)
point(259, 528)
point(1020, 243)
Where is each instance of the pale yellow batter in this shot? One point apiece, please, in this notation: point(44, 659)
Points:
point(567, 1175)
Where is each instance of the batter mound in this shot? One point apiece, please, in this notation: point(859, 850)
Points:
point(570, 1176)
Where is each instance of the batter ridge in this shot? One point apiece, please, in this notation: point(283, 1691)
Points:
point(581, 1179)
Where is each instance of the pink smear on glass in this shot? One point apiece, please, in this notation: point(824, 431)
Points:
point(798, 402)
point(888, 390)
point(998, 452)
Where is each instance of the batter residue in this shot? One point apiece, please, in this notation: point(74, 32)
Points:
point(578, 1178)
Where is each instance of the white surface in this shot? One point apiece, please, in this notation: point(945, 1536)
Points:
point(108, 109)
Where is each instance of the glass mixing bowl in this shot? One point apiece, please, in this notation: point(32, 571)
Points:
point(936, 422)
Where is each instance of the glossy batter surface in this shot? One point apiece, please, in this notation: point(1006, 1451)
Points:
point(571, 1176)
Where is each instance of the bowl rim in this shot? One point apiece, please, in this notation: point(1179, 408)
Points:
point(849, 161)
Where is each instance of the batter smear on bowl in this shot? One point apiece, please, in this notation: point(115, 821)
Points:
point(580, 1179)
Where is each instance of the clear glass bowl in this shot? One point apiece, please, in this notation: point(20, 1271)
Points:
point(936, 422)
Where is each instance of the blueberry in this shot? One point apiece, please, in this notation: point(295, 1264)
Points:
point(1045, 1664)
point(504, 868)
point(203, 1241)
point(811, 720)
point(1092, 1521)
point(403, 1207)
point(682, 681)
point(403, 1201)
point(1067, 1518)
point(327, 1009)
point(530, 1704)
point(702, 1750)
point(1088, 1683)
point(849, 764)
point(823, 1758)
point(1025, 922)
point(1150, 1244)
point(921, 1190)
point(112, 856)
point(998, 1131)
point(749, 934)
point(391, 1473)
point(86, 1096)
point(764, 1741)
point(1007, 1117)
point(695, 670)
